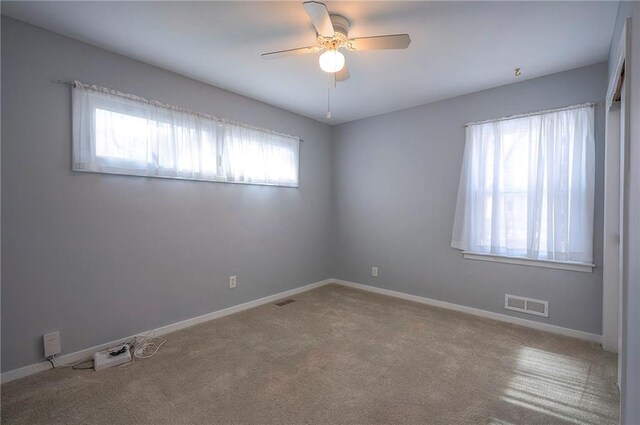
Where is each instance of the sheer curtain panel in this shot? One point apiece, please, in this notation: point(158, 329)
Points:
point(527, 187)
point(120, 133)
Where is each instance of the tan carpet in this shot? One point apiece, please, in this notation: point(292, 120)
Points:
point(336, 356)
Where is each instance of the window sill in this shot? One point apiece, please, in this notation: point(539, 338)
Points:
point(560, 265)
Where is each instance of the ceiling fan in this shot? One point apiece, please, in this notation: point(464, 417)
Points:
point(333, 34)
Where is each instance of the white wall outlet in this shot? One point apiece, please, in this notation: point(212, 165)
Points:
point(374, 271)
point(232, 281)
point(51, 344)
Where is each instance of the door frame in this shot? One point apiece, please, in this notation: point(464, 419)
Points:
point(611, 275)
point(617, 145)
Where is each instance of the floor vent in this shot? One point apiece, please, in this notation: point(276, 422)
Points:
point(285, 302)
point(526, 305)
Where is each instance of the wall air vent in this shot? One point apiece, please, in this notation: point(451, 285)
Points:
point(526, 305)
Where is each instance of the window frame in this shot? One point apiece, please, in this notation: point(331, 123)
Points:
point(517, 259)
point(134, 106)
point(524, 261)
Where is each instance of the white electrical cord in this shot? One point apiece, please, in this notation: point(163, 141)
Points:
point(147, 346)
point(53, 358)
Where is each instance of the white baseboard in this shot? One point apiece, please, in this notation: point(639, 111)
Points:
point(82, 354)
point(476, 311)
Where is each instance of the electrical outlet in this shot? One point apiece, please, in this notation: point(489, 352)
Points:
point(51, 344)
point(374, 271)
point(232, 281)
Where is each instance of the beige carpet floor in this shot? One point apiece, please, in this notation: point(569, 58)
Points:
point(336, 356)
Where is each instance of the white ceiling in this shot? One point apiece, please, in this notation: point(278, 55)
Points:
point(457, 47)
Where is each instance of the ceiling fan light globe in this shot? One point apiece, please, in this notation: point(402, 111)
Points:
point(331, 61)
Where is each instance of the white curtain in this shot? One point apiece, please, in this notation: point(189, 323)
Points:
point(252, 156)
point(120, 133)
point(527, 187)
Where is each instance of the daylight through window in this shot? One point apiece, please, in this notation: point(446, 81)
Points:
point(123, 134)
point(527, 187)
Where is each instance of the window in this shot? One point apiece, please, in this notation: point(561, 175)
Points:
point(123, 134)
point(527, 187)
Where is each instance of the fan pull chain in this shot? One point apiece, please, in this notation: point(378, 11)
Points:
point(329, 76)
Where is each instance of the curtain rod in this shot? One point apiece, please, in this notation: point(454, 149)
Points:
point(178, 108)
point(528, 114)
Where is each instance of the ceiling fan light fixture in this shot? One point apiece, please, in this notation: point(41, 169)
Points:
point(331, 61)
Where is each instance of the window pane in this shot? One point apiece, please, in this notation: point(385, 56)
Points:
point(120, 136)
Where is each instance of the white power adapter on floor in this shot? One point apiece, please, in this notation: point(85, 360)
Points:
point(112, 357)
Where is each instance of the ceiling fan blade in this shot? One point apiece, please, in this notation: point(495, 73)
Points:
point(319, 16)
point(343, 74)
point(291, 52)
point(394, 41)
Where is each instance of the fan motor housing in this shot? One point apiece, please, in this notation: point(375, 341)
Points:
point(340, 36)
point(340, 25)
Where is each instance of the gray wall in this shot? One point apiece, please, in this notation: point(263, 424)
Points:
point(100, 257)
point(395, 185)
point(630, 354)
point(625, 9)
